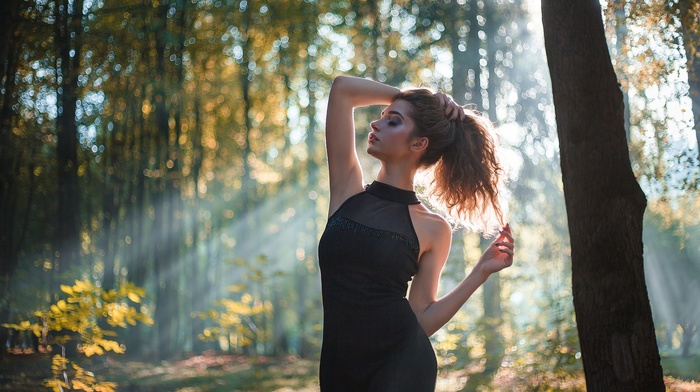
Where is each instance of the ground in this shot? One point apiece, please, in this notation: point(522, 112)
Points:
point(219, 373)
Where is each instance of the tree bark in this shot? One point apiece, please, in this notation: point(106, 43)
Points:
point(604, 204)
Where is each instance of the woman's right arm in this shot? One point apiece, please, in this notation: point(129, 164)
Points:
point(346, 94)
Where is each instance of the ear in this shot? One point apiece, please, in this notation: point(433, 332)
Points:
point(419, 144)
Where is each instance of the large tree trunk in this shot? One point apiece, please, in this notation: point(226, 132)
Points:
point(604, 204)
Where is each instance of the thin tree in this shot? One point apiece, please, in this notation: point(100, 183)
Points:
point(604, 204)
point(9, 250)
point(68, 37)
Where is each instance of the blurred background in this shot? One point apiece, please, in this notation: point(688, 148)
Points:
point(162, 176)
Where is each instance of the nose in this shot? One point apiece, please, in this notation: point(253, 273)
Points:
point(373, 125)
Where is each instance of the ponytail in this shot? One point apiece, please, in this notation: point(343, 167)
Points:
point(464, 172)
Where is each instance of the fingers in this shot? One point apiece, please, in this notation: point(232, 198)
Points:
point(452, 109)
point(506, 233)
point(442, 99)
point(506, 243)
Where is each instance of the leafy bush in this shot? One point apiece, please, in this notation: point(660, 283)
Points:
point(80, 318)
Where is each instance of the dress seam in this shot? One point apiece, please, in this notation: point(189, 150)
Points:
point(355, 227)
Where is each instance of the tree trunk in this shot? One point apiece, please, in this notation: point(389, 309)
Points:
point(165, 271)
point(460, 56)
point(198, 277)
point(604, 204)
point(691, 40)
point(173, 188)
point(141, 246)
point(68, 31)
point(473, 93)
point(621, 36)
point(689, 330)
point(493, 320)
point(493, 316)
point(110, 208)
point(9, 31)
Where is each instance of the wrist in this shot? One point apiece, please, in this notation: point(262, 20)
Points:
point(479, 274)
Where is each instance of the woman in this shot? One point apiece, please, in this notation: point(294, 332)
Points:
point(379, 238)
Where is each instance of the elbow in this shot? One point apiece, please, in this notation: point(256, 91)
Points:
point(339, 80)
point(339, 83)
point(427, 323)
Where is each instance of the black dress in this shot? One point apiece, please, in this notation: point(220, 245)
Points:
point(371, 338)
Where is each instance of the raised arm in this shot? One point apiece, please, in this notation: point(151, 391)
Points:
point(346, 94)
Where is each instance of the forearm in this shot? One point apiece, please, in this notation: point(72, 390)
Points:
point(358, 92)
point(438, 313)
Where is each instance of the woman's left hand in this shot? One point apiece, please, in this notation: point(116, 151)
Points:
point(499, 254)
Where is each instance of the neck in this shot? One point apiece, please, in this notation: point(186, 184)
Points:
point(399, 177)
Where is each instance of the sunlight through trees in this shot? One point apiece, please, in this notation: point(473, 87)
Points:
point(177, 146)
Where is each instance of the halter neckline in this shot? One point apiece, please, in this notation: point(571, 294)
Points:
point(392, 193)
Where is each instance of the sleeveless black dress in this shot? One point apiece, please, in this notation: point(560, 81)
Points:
point(371, 338)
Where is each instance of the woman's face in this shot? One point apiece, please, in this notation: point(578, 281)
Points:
point(391, 135)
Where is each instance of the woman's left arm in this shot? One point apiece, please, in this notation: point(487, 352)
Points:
point(433, 313)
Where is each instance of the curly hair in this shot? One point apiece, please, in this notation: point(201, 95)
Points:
point(461, 154)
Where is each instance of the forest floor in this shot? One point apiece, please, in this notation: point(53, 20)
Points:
point(219, 373)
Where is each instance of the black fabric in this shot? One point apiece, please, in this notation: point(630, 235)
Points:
point(371, 338)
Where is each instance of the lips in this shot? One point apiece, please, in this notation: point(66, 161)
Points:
point(373, 138)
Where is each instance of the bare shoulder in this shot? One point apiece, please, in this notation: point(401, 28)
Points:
point(431, 228)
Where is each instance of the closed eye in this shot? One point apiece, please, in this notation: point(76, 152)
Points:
point(395, 118)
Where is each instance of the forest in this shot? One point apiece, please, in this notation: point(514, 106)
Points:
point(163, 187)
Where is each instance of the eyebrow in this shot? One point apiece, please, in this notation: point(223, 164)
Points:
point(397, 113)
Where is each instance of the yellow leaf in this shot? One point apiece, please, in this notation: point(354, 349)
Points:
point(67, 289)
point(237, 287)
point(80, 286)
point(80, 386)
point(134, 297)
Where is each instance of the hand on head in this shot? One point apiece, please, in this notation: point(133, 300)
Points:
point(452, 109)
